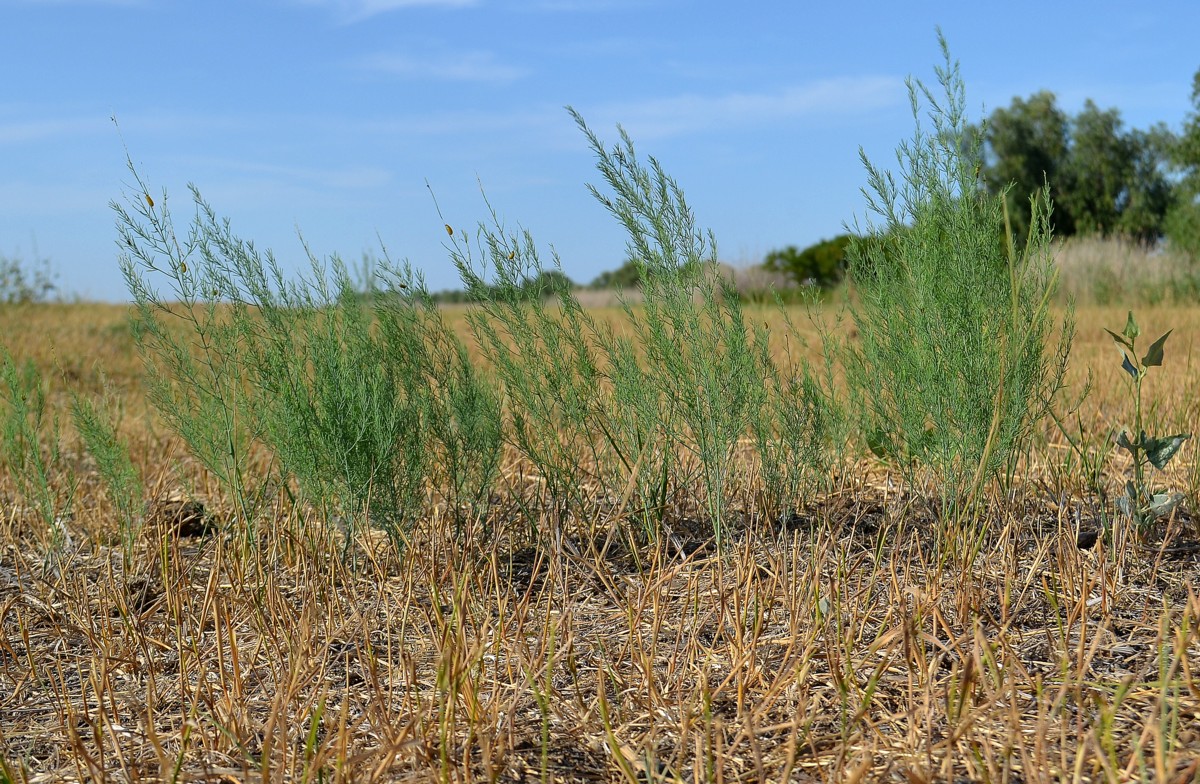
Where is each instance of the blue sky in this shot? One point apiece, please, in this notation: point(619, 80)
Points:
point(329, 116)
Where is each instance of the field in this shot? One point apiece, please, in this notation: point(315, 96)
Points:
point(838, 643)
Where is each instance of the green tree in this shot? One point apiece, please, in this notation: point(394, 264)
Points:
point(627, 276)
point(1149, 198)
point(547, 283)
point(822, 264)
point(1103, 179)
point(1186, 150)
point(1098, 169)
point(1025, 147)
point(1115, 179)
point(1183, 220)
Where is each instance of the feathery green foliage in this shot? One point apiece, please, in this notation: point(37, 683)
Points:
point(97, 426)
point(463, 417)
point(341, 418)
point(25, 425)
point(952, 369)
point(195, 374)
point(705, 359)
point(339, 383)
point(796, 430)
point(658, 404)
point(543, 354)
point(363, 395)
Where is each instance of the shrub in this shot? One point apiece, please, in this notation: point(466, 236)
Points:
point(627, 276)
point(340, 383)
point(365, 398)
point(700, 356)
point(540, 344)
point(822, 264)
point(659, 403)
point(25, 423)
point(952, 369)
point(97, 426)
point(547, 284)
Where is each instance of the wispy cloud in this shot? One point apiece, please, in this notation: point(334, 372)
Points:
point(69, 196)
point(23, 131)
point(585, 5)
point(123, 3)
point(464, 67)
point(339, 178)
point(529, 122)
point(651, 118)
point(349, 11)
point(673, 116)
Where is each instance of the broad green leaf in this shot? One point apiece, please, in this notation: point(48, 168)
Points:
point(1131, 328)
point(1159, 451)
point(1162, 504)
point(1155, 355)
point(1124, 442)
point(1119, 340)
point(880, 445)
point(1127, 366)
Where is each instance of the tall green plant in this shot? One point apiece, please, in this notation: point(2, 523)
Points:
point(339, 378)
point(797, 430)
point(540, 342)
point(953, 367)
point(29, 443)
point(195, 376)
point(463, 415)
point(97, 426)
point(689, 325)
point(341, 418)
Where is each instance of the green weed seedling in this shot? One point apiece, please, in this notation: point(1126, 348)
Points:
point(1143, 505)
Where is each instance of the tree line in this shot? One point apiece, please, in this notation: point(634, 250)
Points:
point(1104, 179)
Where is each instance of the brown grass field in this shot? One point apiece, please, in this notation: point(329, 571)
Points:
point(834, 646)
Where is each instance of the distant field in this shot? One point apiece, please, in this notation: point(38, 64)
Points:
point(831, 646)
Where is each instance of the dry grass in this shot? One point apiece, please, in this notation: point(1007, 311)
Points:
point(1108, 271)
point(752, 281)
point(833, 646)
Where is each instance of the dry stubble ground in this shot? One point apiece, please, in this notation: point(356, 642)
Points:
point(833, 646)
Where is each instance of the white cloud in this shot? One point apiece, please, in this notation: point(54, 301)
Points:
point(27, 197)
point(466, 67)
point(662, 117)
point(586, 5)
point(540, 119)
point(36, 130)
point(340, 178)
point(349, 11)
point(123, 3)
point(651, 118)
